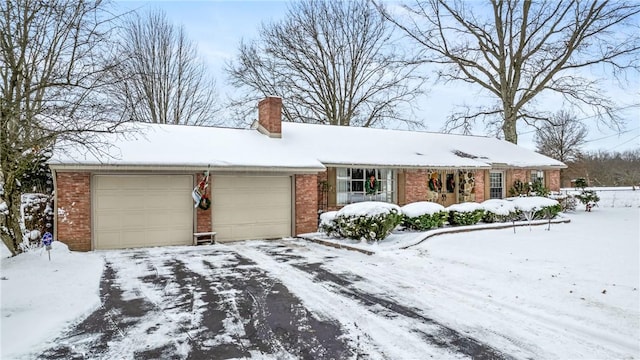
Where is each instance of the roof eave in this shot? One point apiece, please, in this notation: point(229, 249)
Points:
point(187, 168)
point(406, 166)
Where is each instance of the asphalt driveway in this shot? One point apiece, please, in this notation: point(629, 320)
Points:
point(273, 300)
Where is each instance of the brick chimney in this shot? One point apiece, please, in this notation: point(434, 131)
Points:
point(270, 116)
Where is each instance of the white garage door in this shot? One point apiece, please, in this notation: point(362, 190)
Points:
point(251, 207)
point(142, 210)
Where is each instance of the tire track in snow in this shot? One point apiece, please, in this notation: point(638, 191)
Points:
point(196, 304)
point(435, 334)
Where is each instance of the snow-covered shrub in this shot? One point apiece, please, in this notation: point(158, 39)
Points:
point(468, 213)
point(589, 198)
point(537, 207)
point(37, 218)
point(369, 220)
point(567, 201)
point(328, 224)
point(423, 215)
point(498, 210)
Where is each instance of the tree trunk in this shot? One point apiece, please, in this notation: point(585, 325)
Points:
point(12, 234)
point(509, 128)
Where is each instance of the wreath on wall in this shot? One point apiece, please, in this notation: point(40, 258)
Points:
point(434, 182)
point(200, 194)
point(205, 202)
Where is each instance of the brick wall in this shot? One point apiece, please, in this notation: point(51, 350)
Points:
point(479, 179)
point(523, 175)
point(415, 186)
point(270, 115)
point(553, 179)
point(306, 193)
point(203, 217)
point(73, 209)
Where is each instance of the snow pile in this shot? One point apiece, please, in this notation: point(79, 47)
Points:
point(533, 203)
point(467, 207)
point(327, 218)
point(498, 206)
point(422, 208)
point(41, 297)
point(368, 208)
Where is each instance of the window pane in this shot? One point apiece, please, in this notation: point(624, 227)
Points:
point(351, 185)
point(495, 185)
point(342, 184)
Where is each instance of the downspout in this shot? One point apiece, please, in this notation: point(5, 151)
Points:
point(55, 204)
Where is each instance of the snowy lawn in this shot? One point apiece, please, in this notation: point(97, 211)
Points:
point(571, 292)
point(581, 279)
point(40, 298)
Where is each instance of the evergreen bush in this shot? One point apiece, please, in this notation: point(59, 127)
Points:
point(423, 215)
point(548, 212)
point(328, 224)
point(370, 220)
point(498, 210)
point(588, 197)
point(465, 213)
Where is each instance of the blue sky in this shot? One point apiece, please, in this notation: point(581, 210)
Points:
point(218, 26)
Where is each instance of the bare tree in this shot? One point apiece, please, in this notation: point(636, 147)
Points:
point(53, 70)
point(561, 137)
point(516, 50)
point(165, 80)
point(332, 62)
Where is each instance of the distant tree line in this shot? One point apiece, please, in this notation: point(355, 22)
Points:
point(605, 168)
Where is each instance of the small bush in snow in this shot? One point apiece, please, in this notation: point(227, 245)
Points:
point(498, 210)
point(548, 212)
point(589, 198)
point(465, 213)
point(369, 220)
point(423, 215)
point(328, 224)
point(567, 202)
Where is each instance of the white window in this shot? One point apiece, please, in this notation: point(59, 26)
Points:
point(356, 185)
point(537, 175)
point(496, 184)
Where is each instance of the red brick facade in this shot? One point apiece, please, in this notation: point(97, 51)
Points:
point(518, 174)
point(553, 180)
point(203, 217)
point(415, 185)
point(269, 115)
point(479, 185)
point(73, 203)
point(306, 193)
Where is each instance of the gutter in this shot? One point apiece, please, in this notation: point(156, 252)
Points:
point(185, 168)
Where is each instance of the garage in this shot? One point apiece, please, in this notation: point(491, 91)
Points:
point(251, 207)
point(142, 210)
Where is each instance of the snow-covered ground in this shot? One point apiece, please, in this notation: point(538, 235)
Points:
point(571, 292)
point(41, 297)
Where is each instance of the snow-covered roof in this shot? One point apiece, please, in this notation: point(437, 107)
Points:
point(302, 146)
point(159, 145)
point(342, 145)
